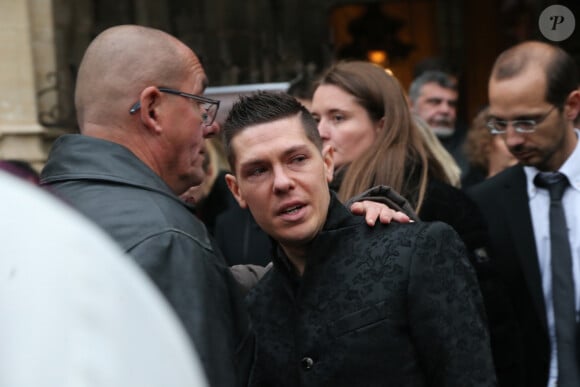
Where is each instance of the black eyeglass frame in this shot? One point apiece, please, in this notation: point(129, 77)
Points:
point(213, 102)
point(517, 123)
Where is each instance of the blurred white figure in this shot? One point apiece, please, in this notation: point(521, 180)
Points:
point(74, 311)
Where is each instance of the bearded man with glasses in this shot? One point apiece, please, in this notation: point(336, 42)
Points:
point(142, 126)
point(532, 212)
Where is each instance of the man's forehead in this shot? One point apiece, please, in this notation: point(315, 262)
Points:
point(531, 76)
point(197, 73)
point(433, 88)
point(204, 82)
point(516, 95)
point(281, 136)
point(200, 82)
point(285, 149)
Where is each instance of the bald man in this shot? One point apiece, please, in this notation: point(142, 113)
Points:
point(142, 124)
point(533, 101)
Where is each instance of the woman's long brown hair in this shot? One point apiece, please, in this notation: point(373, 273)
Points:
point(398, 157)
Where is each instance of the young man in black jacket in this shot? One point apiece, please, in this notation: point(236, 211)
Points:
point(345, 304)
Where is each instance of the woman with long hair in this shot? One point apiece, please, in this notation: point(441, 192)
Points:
point(363, 114)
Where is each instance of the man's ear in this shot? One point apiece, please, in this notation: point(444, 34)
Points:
point(232, 183)
point(150, 100)
point(572, 107)
point(328, 158)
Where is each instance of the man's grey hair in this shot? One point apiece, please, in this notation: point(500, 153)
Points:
point(442, 79)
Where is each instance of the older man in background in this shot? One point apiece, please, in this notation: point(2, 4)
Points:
point(433, 96)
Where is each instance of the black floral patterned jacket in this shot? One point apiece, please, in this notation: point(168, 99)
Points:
point(394, 305)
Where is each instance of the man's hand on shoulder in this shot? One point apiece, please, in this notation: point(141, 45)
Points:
point(382, 203)
point(375, 210)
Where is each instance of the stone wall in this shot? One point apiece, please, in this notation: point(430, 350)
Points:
point(27, 50)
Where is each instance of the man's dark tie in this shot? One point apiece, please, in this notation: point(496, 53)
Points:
point(563, 293)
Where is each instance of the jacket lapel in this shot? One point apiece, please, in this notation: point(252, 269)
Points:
point(520, 224)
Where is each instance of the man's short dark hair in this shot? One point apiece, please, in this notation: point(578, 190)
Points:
point(262, 107)
point(302, 87)
point(439, 77)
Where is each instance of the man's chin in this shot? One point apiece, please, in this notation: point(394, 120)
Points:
point(191, 180)
point(295, 236)
point(441, 131)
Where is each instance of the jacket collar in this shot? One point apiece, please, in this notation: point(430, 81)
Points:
point(79, 157)
point(337, 218)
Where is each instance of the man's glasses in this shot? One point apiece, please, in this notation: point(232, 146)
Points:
point(520, 126)
point(209, 106)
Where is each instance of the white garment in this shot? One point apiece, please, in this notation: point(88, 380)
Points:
point(74, 310)
point(539, 201)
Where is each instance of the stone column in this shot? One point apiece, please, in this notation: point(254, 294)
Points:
point(26, 57)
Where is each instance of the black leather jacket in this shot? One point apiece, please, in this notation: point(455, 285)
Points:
point(111, 186)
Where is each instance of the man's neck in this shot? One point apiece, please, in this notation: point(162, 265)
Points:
point(296, 256)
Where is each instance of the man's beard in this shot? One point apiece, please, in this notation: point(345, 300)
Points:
point(443, 131)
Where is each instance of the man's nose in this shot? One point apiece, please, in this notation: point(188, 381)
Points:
point(446, 107)
point(512, 138)
point(282, 181)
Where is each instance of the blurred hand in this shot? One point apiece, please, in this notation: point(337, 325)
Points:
point(373, 211)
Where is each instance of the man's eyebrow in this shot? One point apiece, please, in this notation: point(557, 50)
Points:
point(295, 148)
point(286, 153)
point(250, 163)
point(491, 116)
